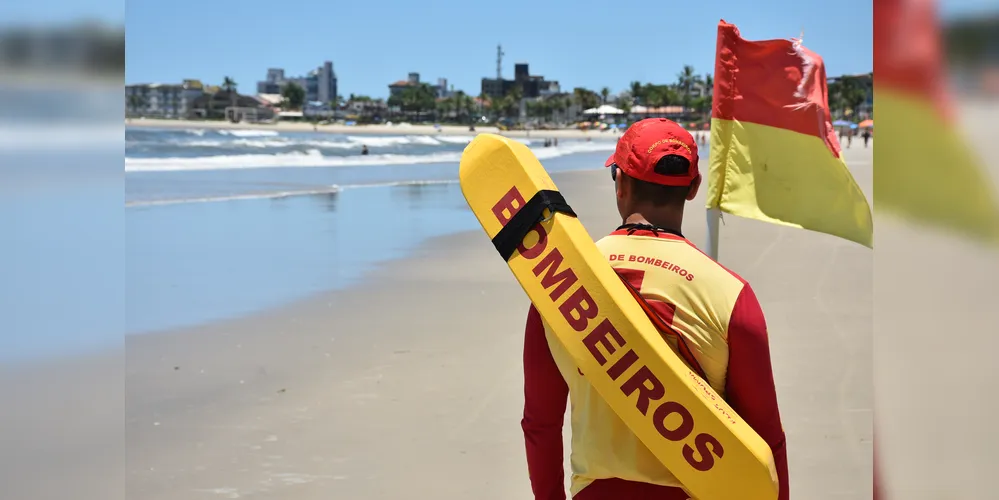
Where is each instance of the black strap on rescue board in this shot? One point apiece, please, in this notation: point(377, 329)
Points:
point(513, 233)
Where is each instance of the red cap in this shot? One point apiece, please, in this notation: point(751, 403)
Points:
point(646, 142)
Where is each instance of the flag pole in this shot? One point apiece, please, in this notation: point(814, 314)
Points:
point(714, 216)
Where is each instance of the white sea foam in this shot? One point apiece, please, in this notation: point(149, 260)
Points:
point(200, 132)
point(248, 133)
point(465, 139)
point(235, 197)
point(278, 143)
point(375, 141)
point(399, 183)
point(263, 139)
point(284, 194)
point(58, 136)
point(455, 139)
point(315, 158)
point(310, 158)
point(348, 142)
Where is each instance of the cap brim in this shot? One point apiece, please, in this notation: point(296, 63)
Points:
point(610, 161)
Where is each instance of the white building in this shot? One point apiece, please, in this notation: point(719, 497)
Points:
point(162, 100)
point(319, 84)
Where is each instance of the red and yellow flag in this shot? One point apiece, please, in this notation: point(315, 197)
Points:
point(774, 152)
point(926, 171)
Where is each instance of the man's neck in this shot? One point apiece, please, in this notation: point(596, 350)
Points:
point(670, 221)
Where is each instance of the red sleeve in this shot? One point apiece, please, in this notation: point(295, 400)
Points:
point(545, 395)
point(749, 386)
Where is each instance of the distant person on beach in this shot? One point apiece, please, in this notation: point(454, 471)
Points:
point(867, 136)
point(717, 325)
point(364, 149)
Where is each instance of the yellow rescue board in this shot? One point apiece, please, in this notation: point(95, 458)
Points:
point(690, 429)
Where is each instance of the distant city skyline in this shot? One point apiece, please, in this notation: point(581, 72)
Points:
point(372, 44)
point(565, 44)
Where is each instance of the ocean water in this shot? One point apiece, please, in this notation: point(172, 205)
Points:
point(224, 223)
point(62, 282)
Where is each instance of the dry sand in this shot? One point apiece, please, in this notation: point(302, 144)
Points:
point(406, 129)
point(936, 376)
point(409, 385)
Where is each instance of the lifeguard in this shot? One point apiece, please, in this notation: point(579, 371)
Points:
point(719, 331)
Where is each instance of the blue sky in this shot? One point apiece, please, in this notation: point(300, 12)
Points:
point(372, 43)
point(376, 42)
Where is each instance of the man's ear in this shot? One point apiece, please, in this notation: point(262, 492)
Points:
point(694, 184)
point(620, 187)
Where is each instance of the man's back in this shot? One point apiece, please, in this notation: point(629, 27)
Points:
point(717, 328)
point(689, 291)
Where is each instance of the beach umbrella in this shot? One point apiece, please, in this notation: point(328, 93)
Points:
point(605, 109)
point(842, 123)
point(866, 124)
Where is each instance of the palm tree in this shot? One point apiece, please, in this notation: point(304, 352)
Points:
point(846, 93)
point(709, 84)
point(532, 109)
point(624, 102)
point(465, 105)
point(229, 85)
point(484, 106)
point(702, 106)
point(294, 96)
point(419, 99)
point(555, 108)
point(136, 102)
point(604, 94)
point(685, 81)
point(585, 98)
point(545, 109)
point(515, 95)
point(457, 105)
point(658, 95)
point(506, 106)
point(636, 92)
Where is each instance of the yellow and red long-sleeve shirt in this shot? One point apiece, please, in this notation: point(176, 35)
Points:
point(722, 335)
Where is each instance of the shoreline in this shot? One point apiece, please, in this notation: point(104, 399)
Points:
point(275, 307)
point(450, 130)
